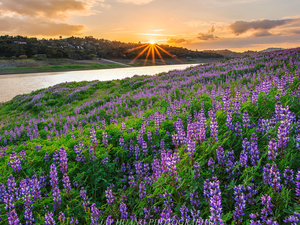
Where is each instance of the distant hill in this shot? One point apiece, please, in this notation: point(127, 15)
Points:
point(229, 53)
point(272, 49)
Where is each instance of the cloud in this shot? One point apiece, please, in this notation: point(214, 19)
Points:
point(262, 33)
point(208, 36)
point(159, 30)
point(212, 29)
point(177, 41)
point(45, 8)
point(137, 2)
point(240, 27)
point(38, 27)
point(295, 32)
point(197, 23)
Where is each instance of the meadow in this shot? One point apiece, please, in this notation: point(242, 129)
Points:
point(212, 144)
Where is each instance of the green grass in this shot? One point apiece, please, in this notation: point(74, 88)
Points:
point(57, 68)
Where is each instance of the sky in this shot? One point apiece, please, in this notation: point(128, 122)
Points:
point(238, 25)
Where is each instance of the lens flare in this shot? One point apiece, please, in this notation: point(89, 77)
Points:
point(152, 49)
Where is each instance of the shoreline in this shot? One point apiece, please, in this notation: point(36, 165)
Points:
point(30, 74)
point(52, 69)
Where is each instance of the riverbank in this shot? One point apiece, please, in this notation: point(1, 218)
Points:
point(64, 65)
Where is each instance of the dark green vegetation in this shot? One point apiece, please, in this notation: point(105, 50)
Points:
point(222, 139)
point(84, 48)
point(56, 68)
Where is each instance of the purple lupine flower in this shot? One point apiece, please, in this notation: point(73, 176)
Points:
point(63, 160)
point(272, 153)
point(271, 177)
point(2, 191)
point(36, 188)
point(79, 155)
point(246, 119)
point(123, 210)
point(250, 194)
point(49, 219)
point(184, 214)
point(14, 162)
point(212, 194)
point(72, 221)
point(61, 217)
point(255, 219)
point(211, 165)
point(229, 120)
point(67, 184)
point(137, 152)
point(283, 137)
point(165, 216)
point(275, 180)
point(23, 155)
point(196, 216)
point(53, 176)
point(84, 198)
point(93, 136)
point(297, 139)
point(288, 174)
point(255, 98)
point(253, 150)
point(194, 199)
point(28, 215)
point(220, 156)
point(191, 147)
point(213, 125)
point(196, 170)
point(105, 138)
point(142, 190)
point(297, 190)
point(293, 219)
point(95, 214)
point(149, 136)
point(13, 218)
point(240, 204)
point(144, 148)
point(46, 157)
point(109, 196)
point(121, 141)
point(109, 220)
point(92, 153)
point(266, 211)
point(56, 157)
point(56, 198)
point(11, 185)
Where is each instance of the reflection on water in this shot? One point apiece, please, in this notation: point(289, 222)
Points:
point(12, 85)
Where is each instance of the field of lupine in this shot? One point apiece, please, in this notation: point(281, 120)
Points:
point(214, 144)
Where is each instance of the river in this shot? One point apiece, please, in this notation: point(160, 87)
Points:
point(15, 84)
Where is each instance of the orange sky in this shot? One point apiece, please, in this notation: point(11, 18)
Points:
point(197, 24)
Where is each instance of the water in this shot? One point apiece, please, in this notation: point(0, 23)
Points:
point(15, 84)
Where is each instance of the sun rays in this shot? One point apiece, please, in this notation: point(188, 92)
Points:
point(152, 48)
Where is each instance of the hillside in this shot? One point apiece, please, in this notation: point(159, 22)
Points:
point(229, 53)
point(216, 144)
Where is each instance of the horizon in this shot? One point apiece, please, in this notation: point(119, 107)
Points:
point(197, 25)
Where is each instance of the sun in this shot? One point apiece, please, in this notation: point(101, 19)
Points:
point(151, 48)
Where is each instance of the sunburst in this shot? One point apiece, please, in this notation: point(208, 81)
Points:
point(151, 47)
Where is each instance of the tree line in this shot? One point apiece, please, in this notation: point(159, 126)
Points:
point(85, 48)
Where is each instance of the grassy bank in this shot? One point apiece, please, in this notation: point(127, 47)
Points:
point(58, 68)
